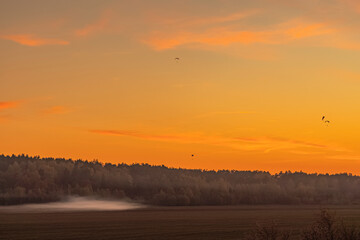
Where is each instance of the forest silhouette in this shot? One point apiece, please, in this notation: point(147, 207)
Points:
point(25, 179)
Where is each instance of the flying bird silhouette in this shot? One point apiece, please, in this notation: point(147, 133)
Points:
point(325, 121)
point(177, 59)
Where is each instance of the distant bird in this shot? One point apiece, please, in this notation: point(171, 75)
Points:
point(177, 59)
point(326, 121)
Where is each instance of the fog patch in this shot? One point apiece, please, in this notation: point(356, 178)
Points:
point(74, 204)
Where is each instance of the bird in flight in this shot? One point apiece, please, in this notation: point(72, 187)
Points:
point(177, 59)
point(325, 121)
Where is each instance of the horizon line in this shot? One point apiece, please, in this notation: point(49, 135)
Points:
point(38, 157)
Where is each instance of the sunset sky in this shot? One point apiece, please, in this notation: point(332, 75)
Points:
point(99, 80)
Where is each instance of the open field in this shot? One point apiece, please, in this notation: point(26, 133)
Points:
point(161, 222)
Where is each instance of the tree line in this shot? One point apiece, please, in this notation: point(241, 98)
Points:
point(26, 179)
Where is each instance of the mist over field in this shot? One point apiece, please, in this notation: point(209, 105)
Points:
point(74, 204)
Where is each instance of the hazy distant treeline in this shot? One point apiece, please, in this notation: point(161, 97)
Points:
point(25, 179)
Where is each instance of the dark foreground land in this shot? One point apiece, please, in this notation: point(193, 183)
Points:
point(163, 222)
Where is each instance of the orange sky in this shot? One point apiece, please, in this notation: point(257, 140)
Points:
point(98, 80)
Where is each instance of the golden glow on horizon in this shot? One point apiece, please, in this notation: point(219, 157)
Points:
point(253, 81)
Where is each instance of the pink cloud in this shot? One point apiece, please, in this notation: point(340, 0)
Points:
point(224, 36)
point(31, 40)
point(10, 104)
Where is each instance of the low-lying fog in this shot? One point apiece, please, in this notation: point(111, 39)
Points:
point(74, 204)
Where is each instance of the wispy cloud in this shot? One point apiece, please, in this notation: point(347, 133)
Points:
point(56, 110)
point(345, 157)
point(317, 28)
point(296, 29)
point(216, 113)
point(299, 152)
point(11, 104)
point(225, 36)
point(187, 22)
point(224, 19)
point(283, 143)
point(142, 135)
point(96, 26)
point(33, 41)
point(4, 118)
point(264, 144)
point(354, 5)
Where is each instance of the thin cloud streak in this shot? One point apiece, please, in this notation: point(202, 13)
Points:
point(211, 114)
point(6, 105)
point(33, 41)
point(354, 5)
point(265, 144)
point(140, 135)
point(199, 22)
point(55, 110)
point(96, 26)
point(225, 36)
point(4, 118)
point(345, 157)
